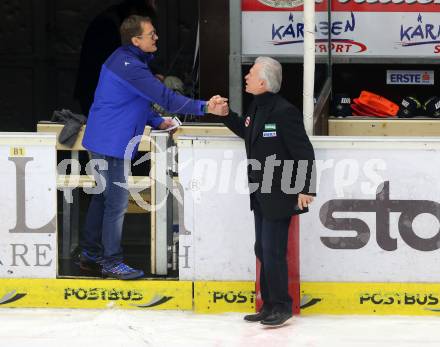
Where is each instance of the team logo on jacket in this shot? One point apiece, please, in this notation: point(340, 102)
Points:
point(247, 121)
point(270, 126)
point(269, 134)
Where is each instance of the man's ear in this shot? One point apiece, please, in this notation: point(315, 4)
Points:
point(135, 41)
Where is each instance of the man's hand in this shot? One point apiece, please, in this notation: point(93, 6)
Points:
point(160, 77)
point(218, 105)
point(168, 122)
point(304, 201)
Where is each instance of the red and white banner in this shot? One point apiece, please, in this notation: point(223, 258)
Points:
point(403, 28)
point(345, 5)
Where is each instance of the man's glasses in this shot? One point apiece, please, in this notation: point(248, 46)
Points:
point(151, 34)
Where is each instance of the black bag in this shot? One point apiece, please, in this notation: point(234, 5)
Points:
point(341, 105)
point(409, 107)
point(432, 107)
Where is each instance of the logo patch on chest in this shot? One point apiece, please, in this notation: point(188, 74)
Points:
point(269, 134)
point(270, 126)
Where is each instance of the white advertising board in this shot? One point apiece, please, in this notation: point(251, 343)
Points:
point(28, 245)
point(376, 217)
point(216, 236)
point(357, 28)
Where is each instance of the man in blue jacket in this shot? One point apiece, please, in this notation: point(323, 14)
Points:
point(122, 107)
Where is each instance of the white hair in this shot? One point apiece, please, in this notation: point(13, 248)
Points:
point(272, 72)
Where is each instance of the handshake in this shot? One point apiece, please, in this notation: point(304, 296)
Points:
point(218, 105)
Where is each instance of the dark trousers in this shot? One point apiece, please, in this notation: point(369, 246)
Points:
point(271, 249)
point(105, 217)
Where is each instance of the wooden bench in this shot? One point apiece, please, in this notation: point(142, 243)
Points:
point(160, 166)
point(86, 181)
point(69, 184)
point(369, 126)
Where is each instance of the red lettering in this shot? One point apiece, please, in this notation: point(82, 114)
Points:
point(321, 48)
point(437, 49)
point(339, 48)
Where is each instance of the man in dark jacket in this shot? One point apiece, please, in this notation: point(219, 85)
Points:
point(280, 173)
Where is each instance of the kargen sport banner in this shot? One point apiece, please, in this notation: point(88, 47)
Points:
point(403, 28)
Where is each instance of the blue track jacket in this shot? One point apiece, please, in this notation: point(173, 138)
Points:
point(123, 99)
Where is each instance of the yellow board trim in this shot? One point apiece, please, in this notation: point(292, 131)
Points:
point(73, 293)
point(370, 298)
point(219, 297)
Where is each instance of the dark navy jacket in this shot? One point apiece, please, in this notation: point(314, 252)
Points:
point(273, 127)
point(123, 99)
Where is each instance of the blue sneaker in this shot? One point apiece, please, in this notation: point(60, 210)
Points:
point(121, 271)
point(89, 263)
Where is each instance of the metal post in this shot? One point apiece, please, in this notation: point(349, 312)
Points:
point(235, 79)
point(161, 199)
point(74, 236)
point(71, 211)
point(309, 64)
point(65, 252)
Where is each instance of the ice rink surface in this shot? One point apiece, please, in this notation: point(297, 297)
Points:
point(117, 328)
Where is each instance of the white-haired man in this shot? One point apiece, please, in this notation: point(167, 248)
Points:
point(280, 157)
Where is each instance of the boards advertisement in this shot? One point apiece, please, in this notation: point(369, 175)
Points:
point(357, 28)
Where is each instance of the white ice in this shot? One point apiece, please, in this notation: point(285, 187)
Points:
point(118, 328)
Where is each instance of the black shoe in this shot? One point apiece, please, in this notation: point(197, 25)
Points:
point(276, 319)
point(91, 265)
point(263, 314)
